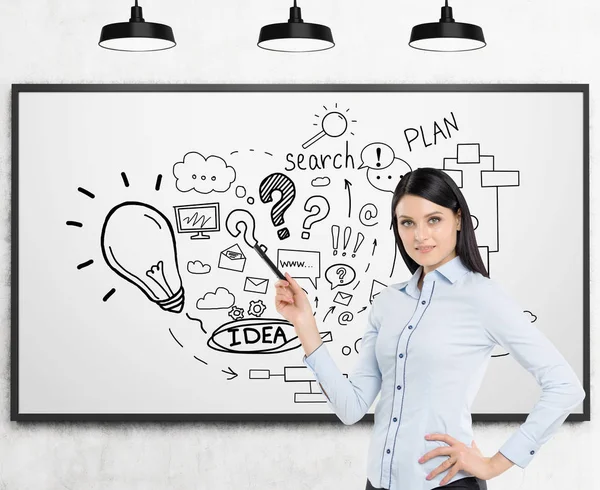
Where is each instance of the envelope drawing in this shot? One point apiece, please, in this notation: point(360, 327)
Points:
point(232, 259)
point(342, 298)
point(256, 285)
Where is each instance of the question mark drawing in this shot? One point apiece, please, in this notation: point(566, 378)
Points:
point(240, 219)
point(341, 272)
point(318, 208)
point(285, 185)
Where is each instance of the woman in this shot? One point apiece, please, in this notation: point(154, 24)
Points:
point(426, 348)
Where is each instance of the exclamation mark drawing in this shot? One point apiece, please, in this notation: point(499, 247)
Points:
point(347, 233)
point(335, 237)
point(378, 151)
point(359, 239)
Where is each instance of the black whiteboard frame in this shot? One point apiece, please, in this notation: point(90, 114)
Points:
point(17, 89)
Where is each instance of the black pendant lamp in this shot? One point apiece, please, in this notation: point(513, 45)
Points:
point(295, 35)
point(447, 35)
point(136, 35)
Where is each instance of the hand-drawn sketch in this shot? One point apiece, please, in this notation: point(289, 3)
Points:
point(368, 213)
point(255, 336)
point(334, 124)
point(320, 182)
point(295, 374)
point(236, 313)
point(256, 285)
point(384, 169)
point(335, 236)
point(475, 174)
point(198, 219)
point(256, 308)
point(318, 208)
point(300, 263)
point(376, 288)
point(377, 156)
point(339, 275)
point(241, 221)
point(282, 183)
point(359, 239)
point(232, 258)
point(345, 317)
point(203, 175)
point(342, 298)
point(197, 267)
point(138, 243)
point(220, 298)
point(332, 210)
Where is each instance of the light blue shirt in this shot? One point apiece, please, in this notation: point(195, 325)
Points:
point(427, 352)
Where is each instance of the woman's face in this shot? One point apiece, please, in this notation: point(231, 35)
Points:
point(422, 223)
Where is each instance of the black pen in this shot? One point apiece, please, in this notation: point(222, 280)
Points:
point(263, 256)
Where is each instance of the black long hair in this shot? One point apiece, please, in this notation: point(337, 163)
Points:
point(437, 186)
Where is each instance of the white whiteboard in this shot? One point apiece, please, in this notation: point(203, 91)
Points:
point(201, 338)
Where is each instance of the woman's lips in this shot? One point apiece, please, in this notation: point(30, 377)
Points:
point(424, 250)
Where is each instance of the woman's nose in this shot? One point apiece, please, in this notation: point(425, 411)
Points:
point(421, 234)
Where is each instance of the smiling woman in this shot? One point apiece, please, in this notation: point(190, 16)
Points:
point(426, 347)
point(428, 216)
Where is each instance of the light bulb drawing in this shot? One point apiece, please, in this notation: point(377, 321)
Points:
point(138, 243)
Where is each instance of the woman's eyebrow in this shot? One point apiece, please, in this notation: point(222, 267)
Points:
point(435, 212)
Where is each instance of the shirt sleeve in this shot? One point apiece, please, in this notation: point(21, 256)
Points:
point(349, 398)
point(506, 325)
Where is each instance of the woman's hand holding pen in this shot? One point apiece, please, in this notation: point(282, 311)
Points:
point(293, 304)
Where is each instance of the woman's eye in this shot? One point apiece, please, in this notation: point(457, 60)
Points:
point(409, 221)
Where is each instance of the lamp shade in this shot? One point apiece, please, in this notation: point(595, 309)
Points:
point(136, 35)
point(295, 36)
point(447, 35)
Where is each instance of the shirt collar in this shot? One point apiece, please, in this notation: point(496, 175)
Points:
point(452, 270)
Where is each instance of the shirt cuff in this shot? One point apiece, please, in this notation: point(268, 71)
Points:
point(519, 449)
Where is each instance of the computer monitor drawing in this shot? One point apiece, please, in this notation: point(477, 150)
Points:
point(198, 219)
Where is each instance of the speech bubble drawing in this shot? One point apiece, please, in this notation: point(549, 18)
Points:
point(387, 179)
point(339, 275)
point(300, 264)
point(377, 156)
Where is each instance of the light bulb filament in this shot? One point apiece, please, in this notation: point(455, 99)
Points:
point(156, 273)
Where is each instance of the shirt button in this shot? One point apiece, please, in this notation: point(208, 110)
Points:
point(388, 451)
point(401, 356)
point(398, 386)
point(395, 419)
point(423, 302)
point(531, 452)
point(410, 326)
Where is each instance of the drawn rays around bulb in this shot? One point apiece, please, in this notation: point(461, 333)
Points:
point(85, 192)
point(178, 297)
